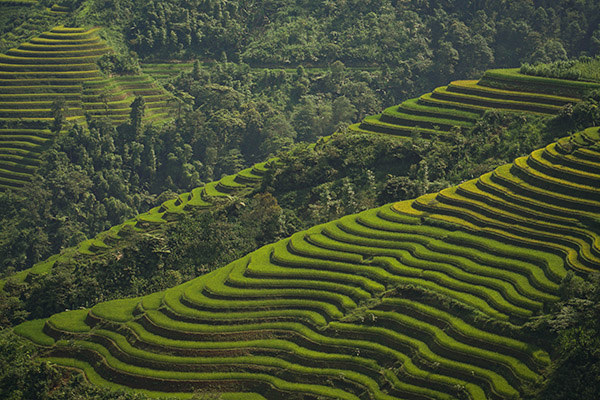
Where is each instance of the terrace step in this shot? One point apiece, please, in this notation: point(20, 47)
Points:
point(523, 168)
point(394, 115)
point(575, 242)
point(413, 106)
point(57, 47)
point(49, 60)
point(376, 124)
point(511, 79)
point(577, 173)
point(443, 93)
point(474, 89)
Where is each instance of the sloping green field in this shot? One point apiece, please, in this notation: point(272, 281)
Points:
point(461, 103)
point(413, 115)
point(61, 64)
point(418, 299)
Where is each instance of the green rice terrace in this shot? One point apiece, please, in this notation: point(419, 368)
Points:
point(427, 115)
point(420, 299)
point(61, 65)
point(461, 103)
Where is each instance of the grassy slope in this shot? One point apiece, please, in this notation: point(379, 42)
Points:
point(61, 64)
point(336, 310)
point(404, 119)
point(458, 105)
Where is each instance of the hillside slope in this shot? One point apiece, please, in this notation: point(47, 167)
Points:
point(56, 74)
point(412, 116)
point(422, 299)
point(461, 103)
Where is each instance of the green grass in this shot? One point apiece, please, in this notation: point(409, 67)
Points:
point(33, 330)
point(503, 184)
point(560, 185)
point(473, 191)
point(473, 87)
point(396, 114)
point(196, 199)
point(512, 79)
point(96, 379)
point(442, 278)
point(539, 265)
point(420, 252)
point(341, 342)
point(211, 190)
point(154, 216)
point(281, 384)
point(376, 124)
point(465, 330)
point(414, 106)
point(576, 174)
point(229, 183)
point(572, 205)
point(537, 237)
point(116, 310)
point(248, 361)
point(499, 255)
point(488, 102)
point(70, 321)
point(248, 176)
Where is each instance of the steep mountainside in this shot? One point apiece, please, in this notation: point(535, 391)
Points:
point(461, 103)
point(425, 298)
point(427, 116)
point(54, 79)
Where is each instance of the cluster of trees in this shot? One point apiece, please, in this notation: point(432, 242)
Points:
point(23, 377)
point(584, 68)
point(233, 115)
point(144, 263)
point(572, 330)
point(429, 42)
point(350, 173)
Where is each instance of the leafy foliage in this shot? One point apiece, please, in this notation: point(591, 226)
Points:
point(577, 324)
point(583, 69)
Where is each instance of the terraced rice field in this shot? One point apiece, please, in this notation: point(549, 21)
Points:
point(18, 2)
point(412, 115)
point(60, 64)
point(359, 307)
point(201, 198)
point(198, 199)
point(49, 67)
point(461, 103)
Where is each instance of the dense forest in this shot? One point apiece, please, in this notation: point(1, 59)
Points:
point(271, 78)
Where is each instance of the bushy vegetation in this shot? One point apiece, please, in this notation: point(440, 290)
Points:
point(22, 377)
point(576, 323)
point(464, 37)
point(584, 69)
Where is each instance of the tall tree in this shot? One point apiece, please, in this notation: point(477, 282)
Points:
point(138, 110)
